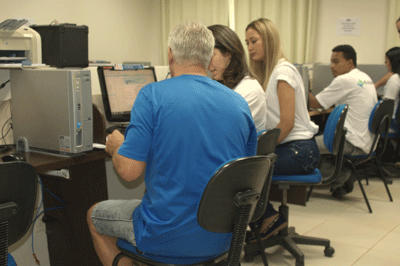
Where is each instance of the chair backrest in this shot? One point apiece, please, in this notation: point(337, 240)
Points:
point(18, 188)
point(381, 116)
point(266, 145)
point(379, 123)
point(397, 116)
point(334, 139)
point(267, 141)
point(217, 209)
point(334, 128)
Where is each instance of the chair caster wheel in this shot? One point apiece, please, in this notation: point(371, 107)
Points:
point(299, 263)
point(248, 257)
point(329, 251)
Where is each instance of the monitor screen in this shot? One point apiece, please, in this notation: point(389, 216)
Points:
point(119, 89)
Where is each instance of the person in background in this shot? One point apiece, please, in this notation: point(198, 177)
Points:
point(286, 109)
point(181, 130)
point(355, 88)
point(228, 66)
point(385, 78)
point(392, 87)
point(392, 91)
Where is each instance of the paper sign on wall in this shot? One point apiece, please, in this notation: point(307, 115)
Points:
point(348, 26)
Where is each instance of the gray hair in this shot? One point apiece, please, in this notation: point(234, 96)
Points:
point(192, 43)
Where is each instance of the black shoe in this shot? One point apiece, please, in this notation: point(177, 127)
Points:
point(339, 192)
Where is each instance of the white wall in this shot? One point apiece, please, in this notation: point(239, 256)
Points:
point(119, 30)
point(369, 45)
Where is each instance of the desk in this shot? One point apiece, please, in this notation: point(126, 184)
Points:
point(68, 237)
point(319, 117)
point(320, 112)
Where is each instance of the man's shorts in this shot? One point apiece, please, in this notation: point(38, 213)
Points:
point(114, 218)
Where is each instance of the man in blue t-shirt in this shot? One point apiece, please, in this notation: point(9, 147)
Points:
point(181, 130)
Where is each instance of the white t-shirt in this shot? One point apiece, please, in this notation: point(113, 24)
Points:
point(358, 91)
point(253, 93)
point(303, 128)
point(392, 90)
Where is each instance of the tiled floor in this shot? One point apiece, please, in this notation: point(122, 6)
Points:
point(358, 237)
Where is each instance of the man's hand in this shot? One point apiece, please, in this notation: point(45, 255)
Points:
point(114, 141)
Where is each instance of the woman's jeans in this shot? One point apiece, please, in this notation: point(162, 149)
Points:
point(297, 157)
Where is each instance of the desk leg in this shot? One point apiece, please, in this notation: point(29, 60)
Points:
point(68, 236)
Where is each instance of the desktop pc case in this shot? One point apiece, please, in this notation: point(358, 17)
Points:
point(52, 109)
point(64, 45)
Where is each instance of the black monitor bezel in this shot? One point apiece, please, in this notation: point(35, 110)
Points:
point(106, 103)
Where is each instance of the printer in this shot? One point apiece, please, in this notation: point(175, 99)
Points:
point(19, 43)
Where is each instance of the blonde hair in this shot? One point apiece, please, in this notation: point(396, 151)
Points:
point(262, 70)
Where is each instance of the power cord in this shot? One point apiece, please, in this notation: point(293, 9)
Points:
point(38, 214)
point(4, 84)
point(5, 147)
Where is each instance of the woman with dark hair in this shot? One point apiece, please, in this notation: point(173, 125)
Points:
point(385, 78)
point(392, 87)
point(228, 66)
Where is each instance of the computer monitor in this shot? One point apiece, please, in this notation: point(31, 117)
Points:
point(119, 89)
point(322, 77)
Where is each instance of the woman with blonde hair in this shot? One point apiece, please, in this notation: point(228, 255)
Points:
point(286, 109)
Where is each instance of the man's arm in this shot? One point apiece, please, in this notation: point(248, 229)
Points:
point(127, 168)
point(383, 80)
point(313, 102)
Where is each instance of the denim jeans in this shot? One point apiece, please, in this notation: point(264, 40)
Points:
point(114, 218)
point(296, 157)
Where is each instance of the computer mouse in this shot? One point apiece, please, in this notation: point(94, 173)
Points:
point(15, 156)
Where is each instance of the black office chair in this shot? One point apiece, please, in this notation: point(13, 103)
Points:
point(18, 188)
point(266, 144)
point(287, 237)
point(334, 139)
point(228, 202)
point(379, 124)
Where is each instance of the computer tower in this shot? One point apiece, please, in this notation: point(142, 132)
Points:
point(64, 45)
point(52, 109)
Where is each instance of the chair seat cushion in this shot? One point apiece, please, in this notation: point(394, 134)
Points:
point(125, 245)
point(313, 178)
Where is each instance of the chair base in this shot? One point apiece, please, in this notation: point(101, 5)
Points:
point(288, 239)
point(289, 242)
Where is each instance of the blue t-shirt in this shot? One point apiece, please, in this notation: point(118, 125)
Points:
point(184, 128)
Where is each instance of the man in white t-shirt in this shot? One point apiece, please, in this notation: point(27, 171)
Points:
point(355, 88)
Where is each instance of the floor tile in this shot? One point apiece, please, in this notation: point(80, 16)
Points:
point(397, 229)
point(345, 255)
point(374, 258)
point(390, 243)
point(359, 238)
point(349, 233)
point(382, 216)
